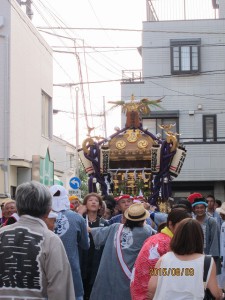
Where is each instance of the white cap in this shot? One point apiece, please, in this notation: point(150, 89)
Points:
point(52, 215)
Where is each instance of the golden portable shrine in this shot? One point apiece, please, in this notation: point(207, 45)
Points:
point(133, 160)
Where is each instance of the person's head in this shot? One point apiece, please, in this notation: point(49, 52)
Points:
point(188, 238)
point(110, 201)
point(108, 214)
point(175, 216)
point(50, 220)
point(34, 199)
point(183, 203)
point(221, 210)
point(9, 208)
point(135, 215)
point(74, 202)
point(102, 209)
point(3, 206)
point(218, 203)
point(124, 202)
point(161, 226)
point(199, 207)
point(210, 199)
point(93, 202)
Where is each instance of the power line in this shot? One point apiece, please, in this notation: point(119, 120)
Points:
point(135, 47)
point(79, 67)
point(209, 73)
point(132, 30)
point(74, 39)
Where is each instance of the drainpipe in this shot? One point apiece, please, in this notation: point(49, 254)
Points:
point(5, 166)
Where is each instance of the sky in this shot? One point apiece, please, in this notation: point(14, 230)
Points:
point(106, 54)
point(100, 66)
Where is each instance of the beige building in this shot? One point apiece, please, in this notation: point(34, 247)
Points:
point(27, 147)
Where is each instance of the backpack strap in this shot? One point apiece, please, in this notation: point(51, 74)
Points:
point(207, 265)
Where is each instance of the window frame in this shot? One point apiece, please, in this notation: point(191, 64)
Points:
point(182, 43)
point(164, 115)
point(46, 129)
point(205, 138)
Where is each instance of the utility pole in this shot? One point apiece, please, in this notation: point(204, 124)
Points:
point(77, 134)
point(104, 115)
point(27, 3)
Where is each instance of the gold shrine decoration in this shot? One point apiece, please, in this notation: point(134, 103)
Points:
point(132, 181)
point(120, 144)
point(164, 207)
point(142, 144)
point(132, 135)
point(86, 144)
point(90, 142)
point(132, 145)
point(171, 136)
point(141, 106)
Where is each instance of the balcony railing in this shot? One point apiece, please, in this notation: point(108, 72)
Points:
point(132, 76)
point(162, 10)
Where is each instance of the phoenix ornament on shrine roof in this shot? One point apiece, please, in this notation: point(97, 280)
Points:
point(142, 106)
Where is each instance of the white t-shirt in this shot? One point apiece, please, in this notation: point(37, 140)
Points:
point(180, 280)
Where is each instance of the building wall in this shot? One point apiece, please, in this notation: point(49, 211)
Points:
point(26, 70)
point(60, 152)
point(29, 75)
point(205, 161)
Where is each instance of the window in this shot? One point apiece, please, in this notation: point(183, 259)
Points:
point(209, 128)
point(72, 160)
point(46, 115)
point(153, 122)
point(185, 56)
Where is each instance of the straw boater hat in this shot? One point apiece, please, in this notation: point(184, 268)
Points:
point(136, 212)
point(221, 210)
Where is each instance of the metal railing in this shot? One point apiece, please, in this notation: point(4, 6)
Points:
point(131, 76)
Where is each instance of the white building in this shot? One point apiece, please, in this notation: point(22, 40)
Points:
point(184, 61)
point(27, 150)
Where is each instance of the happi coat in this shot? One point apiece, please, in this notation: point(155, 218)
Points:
point(72, 229)
point(33, 263)
point(111, 282)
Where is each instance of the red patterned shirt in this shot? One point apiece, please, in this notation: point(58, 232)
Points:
point(153, 248)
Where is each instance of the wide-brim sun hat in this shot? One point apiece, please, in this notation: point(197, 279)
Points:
point(221, 209)
point(136, 212)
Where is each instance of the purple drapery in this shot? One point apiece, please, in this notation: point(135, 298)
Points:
point(94, 157)
point(162, 180)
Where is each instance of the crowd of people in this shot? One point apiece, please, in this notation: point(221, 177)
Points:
point(57, 247)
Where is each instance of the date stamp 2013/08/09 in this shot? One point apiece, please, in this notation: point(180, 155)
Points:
point(171, 272)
